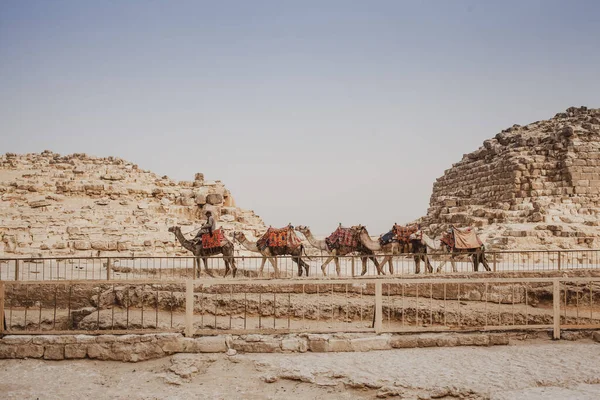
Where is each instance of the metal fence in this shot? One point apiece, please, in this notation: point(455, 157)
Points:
point(203, 306)
point(160, 268)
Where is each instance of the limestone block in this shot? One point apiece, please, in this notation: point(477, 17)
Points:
point(82, 245)
point(214, 199)
point(272, 346)
point(75, 351)
point(54, 352)
point(294, 344)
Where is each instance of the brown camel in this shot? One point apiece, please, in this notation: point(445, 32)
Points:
point(335, 253)
point(226, 248)
point(270, 253)
point(390, 249)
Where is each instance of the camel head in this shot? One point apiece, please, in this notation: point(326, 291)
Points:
point(302, 229)
point(361, 229)
point(239, 236)
point(174, 229)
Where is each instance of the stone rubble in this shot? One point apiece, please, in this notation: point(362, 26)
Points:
point(532, 186)
point(79, 205)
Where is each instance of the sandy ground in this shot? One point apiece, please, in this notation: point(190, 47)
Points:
point(540, 370)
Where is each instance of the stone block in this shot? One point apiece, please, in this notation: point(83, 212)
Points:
point(17, 339)
point(29, 351)
point(294, 344)
point(402, 342)
point(100, 351)
point(339, 345)
point(75, 351)
point(210, 344)
point(214, 199)
point(54, 352)
point(473, 340)
point(427, 341)
point(82, 245)
point(257, 347)
point(498, 340)
point(380, 342)
point(596, 336)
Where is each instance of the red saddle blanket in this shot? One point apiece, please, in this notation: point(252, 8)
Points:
point(403, 232)
point(342, 237)
point(462, 239)
point(284, 237)
point(211, 241)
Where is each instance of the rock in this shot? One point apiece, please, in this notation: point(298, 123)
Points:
point(82, 245)
point(214, 199)
point(39, 203)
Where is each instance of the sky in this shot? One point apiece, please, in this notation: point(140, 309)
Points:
point(311, 112)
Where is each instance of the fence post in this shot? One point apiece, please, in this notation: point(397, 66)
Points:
point(559, 257)
point(108, 268)
point(16, 270)
point(378, 324)
point(494, 261)
point(189, 308)
point(1, 309)
point(556, 308)
point(353, 272)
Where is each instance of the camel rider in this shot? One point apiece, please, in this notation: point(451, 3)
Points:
point(209, 227)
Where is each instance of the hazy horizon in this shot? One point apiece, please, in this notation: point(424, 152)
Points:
point(310, 112)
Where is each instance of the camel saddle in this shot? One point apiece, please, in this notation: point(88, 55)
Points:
point(211, 241)
point(403, 233)
point(462, 239)
point(387, 238)
point(284, 237)
point(342, 237)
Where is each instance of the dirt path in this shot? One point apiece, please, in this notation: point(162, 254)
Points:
point(525, 371)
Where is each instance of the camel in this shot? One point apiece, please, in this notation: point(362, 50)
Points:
point(269, 253)
point(392, 249)
point(438, 246)
point(334, 254)
point(226, 248)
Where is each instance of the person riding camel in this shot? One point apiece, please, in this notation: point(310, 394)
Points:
point(209, 227)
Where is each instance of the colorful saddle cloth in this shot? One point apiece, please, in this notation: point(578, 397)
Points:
point(342, 237)
point(387, 238)
point(403, 232)
point(211, 241)
point(284, 237)
point(462, 239)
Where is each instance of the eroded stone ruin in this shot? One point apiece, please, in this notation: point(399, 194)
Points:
point(531, 186)
point(87, 206)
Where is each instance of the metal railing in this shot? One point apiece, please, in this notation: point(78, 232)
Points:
point(203, 306)
point(161, 268)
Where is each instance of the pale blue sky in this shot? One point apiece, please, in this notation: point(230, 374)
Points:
point(311, 112)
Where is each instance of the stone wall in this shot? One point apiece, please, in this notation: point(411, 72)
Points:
point(133, 348)
point(85, 206)
point(530, 186)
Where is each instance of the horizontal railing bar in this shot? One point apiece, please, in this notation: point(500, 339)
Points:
point(306, 281)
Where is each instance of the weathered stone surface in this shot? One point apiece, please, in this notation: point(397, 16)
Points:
point(294, 344)
point(54, 352)
point(107, 205)
point(524, 177)
point(401, 342)
point(257, 347)
point(75, 351)
point(380, 342)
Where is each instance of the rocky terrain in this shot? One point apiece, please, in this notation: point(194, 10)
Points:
point(80, 205)
point(532, 186)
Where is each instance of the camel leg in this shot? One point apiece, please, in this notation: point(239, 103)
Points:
point(390, 265)
point(306, 266)
point(427, 263)
point(329, 259)
point(273, 261)
point(386, 259)
point(364, 265)
point(226, 260)
point(208, 271)
point(485, 263)
point(453, 262)
point(297, 261)
point(262, 266)
point(338, 270)
point(417, 265)
point(233, 266)
point(379, 266)
point(475, 259)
